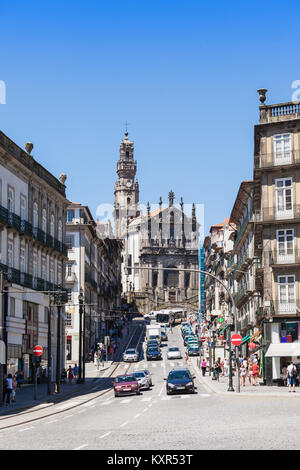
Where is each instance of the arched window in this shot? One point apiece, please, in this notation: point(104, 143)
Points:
point(44, 220)
point(59, 231)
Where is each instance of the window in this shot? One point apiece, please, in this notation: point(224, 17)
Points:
point(285, 246)
point(52, 271)
point(282, 149)
point(35, 215)
point(35, 264)
point(23, 212)
point(69, 292)
point(44, 268)
point(286, 293)
point(70, 241)
point(59, 231)
point(22, 260)
point(10, 254)
point(12, 307)
point(284, 201)
point(69, 269)
point(70, 216)
point(44, 220)
point(10, 199)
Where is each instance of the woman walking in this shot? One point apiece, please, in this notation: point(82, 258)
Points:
point(70, 375)
point(203, 367)
point(250, 369)
point(243, 372)
point(9, 388)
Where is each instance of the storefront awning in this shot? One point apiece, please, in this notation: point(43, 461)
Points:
point(283, 350)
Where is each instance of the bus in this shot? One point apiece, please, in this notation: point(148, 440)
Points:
point(163, 318)
point(177, 316)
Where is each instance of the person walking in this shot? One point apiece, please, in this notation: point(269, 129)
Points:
point(8, 388)
point(186, 357)
point(70, 375)
point(14, 389)
point(217, 370)
point(291, 375)
point(75, 371)
point(203, 367)
point(243, 373)
point(19, 378)
point(254, 373)
point(250, 371)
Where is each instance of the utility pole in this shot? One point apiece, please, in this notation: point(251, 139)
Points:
point(2, 339)
point(84, 346)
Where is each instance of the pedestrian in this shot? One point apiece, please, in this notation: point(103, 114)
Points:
point(203, 367)
point(19, 378)
point(95, 359)
point(217, 370)
point(14, 388)
point(226, 367)
point(70, 375)
point(75, 371)
point(291, 375)
point(243, 373)
point(254, 373)
point(8, 388)
point(250, 370)
point(186, 357)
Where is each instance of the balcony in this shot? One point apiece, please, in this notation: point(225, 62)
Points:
point(243, 293)
point(241, 230)
point(291, 307)
point(26, 280)
point(279, 112)
point(270, 160)
point(276, 257)
point(273, 214)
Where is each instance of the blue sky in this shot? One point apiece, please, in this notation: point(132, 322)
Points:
point(183, 74)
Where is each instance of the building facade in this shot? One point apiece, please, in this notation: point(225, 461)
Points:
point(33, 255)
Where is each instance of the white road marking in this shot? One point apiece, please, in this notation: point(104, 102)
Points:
point(53, 421)
point(124, 424)
point(127, 400)
point(185, 396)
point(146, 399)
point(154, 365)
point(145, 410)
point(81, 447)
point(68, 416)
point(166, 398)
point(204, 395)
point(137, 416)
point(104, 435)
point(161, 390)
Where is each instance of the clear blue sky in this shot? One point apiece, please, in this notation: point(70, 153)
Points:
point(184, 74)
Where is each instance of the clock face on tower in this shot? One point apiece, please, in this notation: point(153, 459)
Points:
point(128, 184)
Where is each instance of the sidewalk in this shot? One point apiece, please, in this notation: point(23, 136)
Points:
point(25, 395)
point(221, 386)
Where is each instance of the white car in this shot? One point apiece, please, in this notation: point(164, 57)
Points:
point(174, 353)
point(142, 378)
point(130, 355)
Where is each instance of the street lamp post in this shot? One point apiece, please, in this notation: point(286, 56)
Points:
point(84, 346)
point(80, 300)
point(58, 364)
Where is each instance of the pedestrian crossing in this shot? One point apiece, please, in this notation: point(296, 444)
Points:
point(127, 400)
point(154, 365)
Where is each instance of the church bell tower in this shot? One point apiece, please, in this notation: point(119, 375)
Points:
point(126, 204)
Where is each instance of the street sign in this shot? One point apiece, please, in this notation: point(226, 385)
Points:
point(37, 350)
point(202, 339)
point(236, 340)
point(220, 319)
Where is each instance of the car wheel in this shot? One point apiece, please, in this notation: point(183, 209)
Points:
point(116, 395)
point(168, 392)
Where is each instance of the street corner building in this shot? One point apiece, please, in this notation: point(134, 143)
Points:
point(160, 238)
point(261, 267)
point(33, 255)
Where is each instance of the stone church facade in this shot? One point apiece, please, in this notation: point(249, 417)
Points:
point(157, 241)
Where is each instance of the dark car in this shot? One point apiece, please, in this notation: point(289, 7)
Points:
point(193, 350)
point(152, 343)
point(153, 353)
point(180, 380)
point(126, 385)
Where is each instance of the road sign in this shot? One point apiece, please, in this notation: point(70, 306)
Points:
point(220, 319)
point(37, 350)
point(236, 340)
point(202, 339)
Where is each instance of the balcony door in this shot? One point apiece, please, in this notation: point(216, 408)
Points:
point(282, 149)
point(285, 246)
point(286, 294)
point(284, 198)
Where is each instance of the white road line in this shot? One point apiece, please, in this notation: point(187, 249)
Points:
point(154, 365)
point(104, 435)
point(161, 390)
point(204, 395)
point(81, 447)
point(137, 416)
point(53, 421)
point(185, 396)
point(124, 424)
point(127, 400)
point(106, 402)
point(68, 416)
point(146, 399)
point(166, 398)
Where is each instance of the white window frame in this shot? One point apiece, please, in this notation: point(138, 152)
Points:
point(283, 156)
point(23, 207)
point(10, 199)
point(284, 213)
point(288, 306)
point(286, 256)
point(10, 254)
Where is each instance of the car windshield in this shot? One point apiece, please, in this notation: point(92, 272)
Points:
point(173, 349)
point(139, 374)
point(153, 350)
point(179, 374)
point(126, 378)
point(130, 351)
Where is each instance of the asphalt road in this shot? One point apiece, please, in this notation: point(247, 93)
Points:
point(156, 421)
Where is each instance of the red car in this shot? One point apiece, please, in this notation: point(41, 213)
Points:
point(126, 385)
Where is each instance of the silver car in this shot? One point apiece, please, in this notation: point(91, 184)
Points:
point(174, 353)
point(148, 375)
point(142, 378)
point(130, 355)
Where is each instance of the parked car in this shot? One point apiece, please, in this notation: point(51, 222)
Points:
point(126, 385)
point(130, 355)
point(174, 353)
point(193, 350)
point(143, 379)
point(180, 380)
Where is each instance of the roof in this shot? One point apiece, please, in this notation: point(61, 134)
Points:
point(242, 197)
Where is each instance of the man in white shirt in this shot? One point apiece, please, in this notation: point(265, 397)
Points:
point(291, 375)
